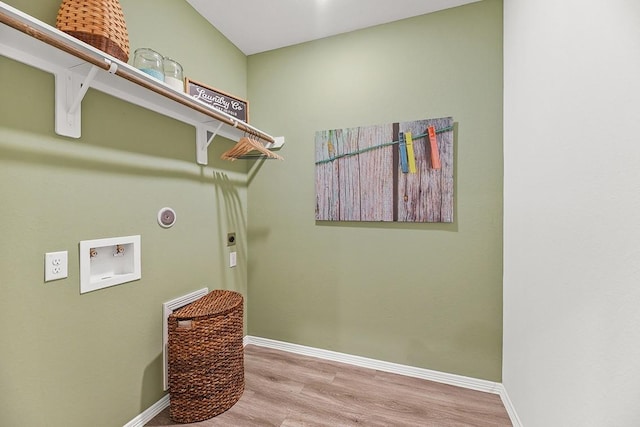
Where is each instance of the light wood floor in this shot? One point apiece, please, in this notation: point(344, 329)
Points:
point(285, 389)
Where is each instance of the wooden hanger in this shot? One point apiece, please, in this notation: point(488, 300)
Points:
point(246, 145)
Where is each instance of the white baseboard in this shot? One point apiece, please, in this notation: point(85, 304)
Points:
point(151, 412)
point(508, 405)
point(410, 371)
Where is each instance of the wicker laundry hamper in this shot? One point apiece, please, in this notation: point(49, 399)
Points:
point(206, 356)
point(99, 23)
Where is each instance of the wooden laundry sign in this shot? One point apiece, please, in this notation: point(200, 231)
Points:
point(233, 106)
point(400, 172)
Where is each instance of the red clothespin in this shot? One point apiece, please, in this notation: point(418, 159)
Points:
point(435, 154)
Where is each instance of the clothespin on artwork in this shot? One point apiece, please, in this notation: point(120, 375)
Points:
point(435, 154)
point(411, 157)
point(331, 150)
point(403, 153)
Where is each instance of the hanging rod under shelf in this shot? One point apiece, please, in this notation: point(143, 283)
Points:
point(68, 71)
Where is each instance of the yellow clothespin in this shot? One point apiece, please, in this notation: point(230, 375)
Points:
point(410, 154)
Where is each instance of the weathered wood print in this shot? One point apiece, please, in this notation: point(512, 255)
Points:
point(386, 172)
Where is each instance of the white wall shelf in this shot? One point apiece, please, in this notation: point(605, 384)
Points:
point(78, 66)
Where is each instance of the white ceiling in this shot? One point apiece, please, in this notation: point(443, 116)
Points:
point(256, 26)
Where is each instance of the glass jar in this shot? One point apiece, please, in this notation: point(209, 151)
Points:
point(173, 74)
point(149, 61)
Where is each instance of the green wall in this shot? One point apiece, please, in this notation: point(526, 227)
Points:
point(95, 359)
point(417, 294)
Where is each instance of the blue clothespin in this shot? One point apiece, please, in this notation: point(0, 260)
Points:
point(403, 153)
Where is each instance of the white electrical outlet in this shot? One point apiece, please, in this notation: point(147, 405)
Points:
point(55, 266)
point(232, 259)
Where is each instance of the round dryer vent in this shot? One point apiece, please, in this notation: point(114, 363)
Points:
point(166, 217)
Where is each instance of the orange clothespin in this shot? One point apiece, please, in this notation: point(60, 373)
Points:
point(435, 154)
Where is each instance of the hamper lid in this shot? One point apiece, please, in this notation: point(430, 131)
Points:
point(216, 303)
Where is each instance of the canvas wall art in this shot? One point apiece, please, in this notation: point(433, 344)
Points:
point(400, 172)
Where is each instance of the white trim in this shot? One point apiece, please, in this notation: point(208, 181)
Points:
point(508, 405)
point(148, 414)
point(410, 371)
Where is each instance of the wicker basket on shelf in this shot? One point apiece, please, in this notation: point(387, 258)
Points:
point(99, 23)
